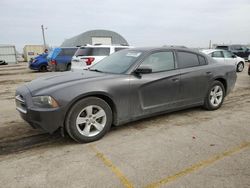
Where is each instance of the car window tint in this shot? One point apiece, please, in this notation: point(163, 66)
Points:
point(89, 51)
point(118, 49)
point(236, 47)
point(186, 59)
point(218, 54)
point(228, 54)
point(223, 47)
point(83, 51)
point(100, 51)
point(61, 52)
point(67, 52)
point(202, 60)
point(160, 61)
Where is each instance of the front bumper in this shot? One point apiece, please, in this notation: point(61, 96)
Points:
point(48, 119)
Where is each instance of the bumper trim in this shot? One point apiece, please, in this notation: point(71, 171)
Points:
point(21, 101)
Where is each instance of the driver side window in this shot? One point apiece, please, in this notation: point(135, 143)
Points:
point(160, 61)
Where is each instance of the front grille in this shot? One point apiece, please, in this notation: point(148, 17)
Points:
point(20, 104)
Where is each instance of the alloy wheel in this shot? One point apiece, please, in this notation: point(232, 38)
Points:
point(216, 96)
point(91, 120)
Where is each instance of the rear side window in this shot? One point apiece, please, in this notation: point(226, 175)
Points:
point(228, 54)
point(202, 60)
point(218, 54)
point(86, 51)
point(186, 59)
point(101, 51)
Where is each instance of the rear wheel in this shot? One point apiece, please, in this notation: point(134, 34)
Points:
point(215, 96)
point(88, 120)
point(240, 66)
point(43, 68)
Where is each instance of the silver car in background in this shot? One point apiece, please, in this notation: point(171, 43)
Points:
point(225, 56)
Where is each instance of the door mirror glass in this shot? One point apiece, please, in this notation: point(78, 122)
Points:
point(143, 70)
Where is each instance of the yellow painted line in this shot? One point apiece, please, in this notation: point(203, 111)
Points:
point(125, 182)
point(198, 165)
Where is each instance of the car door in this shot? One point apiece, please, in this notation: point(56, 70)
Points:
point(157, 91)
point(229, 58)
point(195, 75)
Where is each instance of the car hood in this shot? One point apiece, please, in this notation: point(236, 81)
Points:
point(63, 79)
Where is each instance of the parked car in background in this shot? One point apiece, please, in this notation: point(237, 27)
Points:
point(239, 50)
point(39, 63)
point(88, 55)
point(126, 86)
point(2, 62)
point(59, 59)
point(226, 57)
point(249, 69)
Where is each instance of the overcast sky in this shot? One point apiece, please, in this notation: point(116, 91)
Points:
point(143, 23)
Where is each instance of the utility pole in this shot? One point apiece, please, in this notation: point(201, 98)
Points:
point(44, 42)
point(210, 44)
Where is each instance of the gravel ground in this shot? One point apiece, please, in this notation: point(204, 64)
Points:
point(190, 148)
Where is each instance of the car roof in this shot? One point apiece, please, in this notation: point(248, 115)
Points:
point(166, 48)
point(106, 46)
point(208, 51)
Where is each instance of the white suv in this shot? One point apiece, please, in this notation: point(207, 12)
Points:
point(88, 55)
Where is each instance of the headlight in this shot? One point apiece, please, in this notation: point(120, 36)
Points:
point(45, 102)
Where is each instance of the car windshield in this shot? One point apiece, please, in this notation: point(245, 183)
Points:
point(118, 62)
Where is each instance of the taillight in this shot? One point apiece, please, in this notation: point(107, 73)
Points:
point(53, 62)
point(89, 60)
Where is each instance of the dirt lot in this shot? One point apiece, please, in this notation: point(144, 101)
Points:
point(190, 148)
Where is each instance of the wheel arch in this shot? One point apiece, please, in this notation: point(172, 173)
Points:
point(102, 95)
point(43, 64)
point(223, 81)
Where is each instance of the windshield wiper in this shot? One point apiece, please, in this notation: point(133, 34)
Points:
point(96, 70)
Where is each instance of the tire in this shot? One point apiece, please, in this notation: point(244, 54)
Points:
point(68, 67)
point(240, 67)
point(213, 101)
point(43, 68)
point(82, 123)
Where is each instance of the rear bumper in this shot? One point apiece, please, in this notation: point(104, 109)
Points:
point(47, 119)
point(57, 67)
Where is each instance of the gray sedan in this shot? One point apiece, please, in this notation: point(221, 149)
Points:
point(126, 86)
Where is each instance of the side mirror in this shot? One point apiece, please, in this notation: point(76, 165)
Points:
point(234, 56)
point(143, 70)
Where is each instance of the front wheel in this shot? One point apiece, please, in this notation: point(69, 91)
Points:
point(240, 67)
point(215, 96)
point(88, 120)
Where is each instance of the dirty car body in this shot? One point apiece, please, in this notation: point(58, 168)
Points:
point(131, 94)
